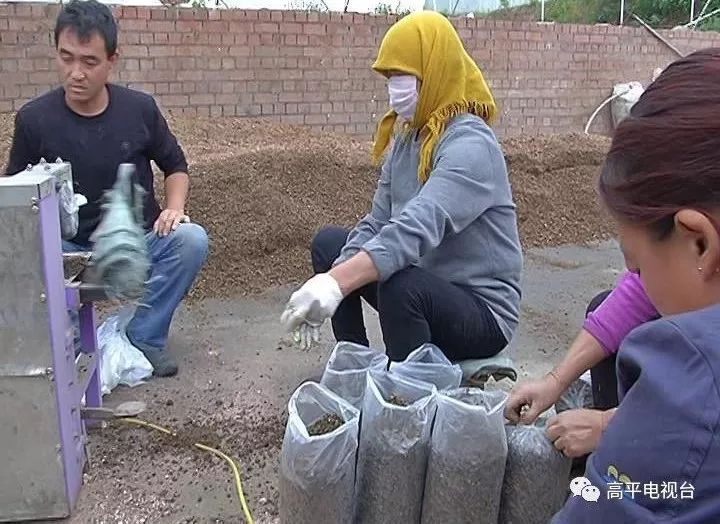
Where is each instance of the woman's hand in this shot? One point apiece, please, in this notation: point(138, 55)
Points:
point(310, 306)
point(537, 396)
point(577, 432)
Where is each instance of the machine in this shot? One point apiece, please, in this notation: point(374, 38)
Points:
point(48, 385)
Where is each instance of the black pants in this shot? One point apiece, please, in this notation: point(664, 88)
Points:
point(604, 376)
point(414, 307)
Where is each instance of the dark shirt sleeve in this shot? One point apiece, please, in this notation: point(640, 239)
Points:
point(165, 149)
point(22, 151)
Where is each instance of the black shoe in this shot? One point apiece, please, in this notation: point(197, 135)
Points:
point(162, 362)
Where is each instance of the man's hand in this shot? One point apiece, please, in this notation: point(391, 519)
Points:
point(169, 220)
point(577, 432)
point(311, 305)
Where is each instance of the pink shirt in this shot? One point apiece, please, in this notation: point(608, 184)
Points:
point(627, 307)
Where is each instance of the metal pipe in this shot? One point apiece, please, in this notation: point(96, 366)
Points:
point(542, 10)
point(622, 11)
point(658, 35)
point(597, 110)
point(704, 9)
point(700, 19)
point(692, 10)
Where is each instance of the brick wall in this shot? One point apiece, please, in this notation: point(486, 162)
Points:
point(314, 69)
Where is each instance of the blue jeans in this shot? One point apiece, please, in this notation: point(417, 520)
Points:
point(176, 261)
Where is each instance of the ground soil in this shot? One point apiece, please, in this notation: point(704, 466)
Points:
point(262, 190)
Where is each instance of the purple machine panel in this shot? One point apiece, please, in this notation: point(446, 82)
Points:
point(42, 381)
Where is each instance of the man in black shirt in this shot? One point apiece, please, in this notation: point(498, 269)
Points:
point(96, 126)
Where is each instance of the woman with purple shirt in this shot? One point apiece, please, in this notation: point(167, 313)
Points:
point(611, 315)
point(655, 457)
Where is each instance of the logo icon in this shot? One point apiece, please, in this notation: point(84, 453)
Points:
point(591, 493)
point(582, 487)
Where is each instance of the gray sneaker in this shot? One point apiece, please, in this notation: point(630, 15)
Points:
point(163, 363)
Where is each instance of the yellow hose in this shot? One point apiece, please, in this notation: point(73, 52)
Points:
point(233, 465)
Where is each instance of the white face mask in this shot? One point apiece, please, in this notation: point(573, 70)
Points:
point(403, 95)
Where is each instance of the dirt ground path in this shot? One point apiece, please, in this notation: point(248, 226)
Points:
point(237, 373)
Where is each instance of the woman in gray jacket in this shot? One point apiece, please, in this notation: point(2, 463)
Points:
point(438, 255)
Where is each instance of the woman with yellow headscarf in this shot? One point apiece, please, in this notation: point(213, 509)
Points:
point(438, 255)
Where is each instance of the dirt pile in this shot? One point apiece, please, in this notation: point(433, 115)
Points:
point(7, 124)
point(554, 183)
point(263, 189)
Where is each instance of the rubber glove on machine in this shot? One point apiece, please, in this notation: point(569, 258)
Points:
point(310, 306)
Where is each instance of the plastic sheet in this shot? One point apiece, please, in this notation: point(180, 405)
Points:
point(120, 257)
point(467, 458)
point(346, 370)
point(429, 364)
point(317, 472)
point(397, 417)
point(536, 476)
point(578, 395)
point(120, 361)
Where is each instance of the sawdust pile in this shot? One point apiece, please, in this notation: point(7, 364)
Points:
point(554, 183)
point(7, 122)
point(262, 190)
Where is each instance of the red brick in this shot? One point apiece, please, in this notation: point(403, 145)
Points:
point(126, 25)
point(266, 27)
point(136, 51)
point(313, 28)
point(158, 14)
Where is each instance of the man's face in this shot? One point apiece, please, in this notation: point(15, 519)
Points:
point(84, 66)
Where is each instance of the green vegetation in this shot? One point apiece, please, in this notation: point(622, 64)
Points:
point(657, 13)
point(387, 9)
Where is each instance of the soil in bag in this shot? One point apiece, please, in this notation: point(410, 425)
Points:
point(318, 458)
point(468, 451)
point(394, 445)
point(537, 476)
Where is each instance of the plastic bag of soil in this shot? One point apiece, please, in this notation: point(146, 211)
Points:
point(467, 458)
point(318, 457)
point(537, 476)
point(346, 370)
point(578, 395)
point(397, 417)
point(429, 364)
point(120, 257)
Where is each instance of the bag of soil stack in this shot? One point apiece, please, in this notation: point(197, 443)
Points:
point(346, 370)
point(318, 457)
point(468, 449)
point(578, 395)
point(429, 364)
point(397, 417)
point(537, 476)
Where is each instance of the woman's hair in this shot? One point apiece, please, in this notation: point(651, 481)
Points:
point(665, 155)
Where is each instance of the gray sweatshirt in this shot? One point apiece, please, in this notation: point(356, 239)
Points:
point(461, 225)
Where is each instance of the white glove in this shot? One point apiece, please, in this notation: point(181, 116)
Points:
point(305, 335)
point(311, 305)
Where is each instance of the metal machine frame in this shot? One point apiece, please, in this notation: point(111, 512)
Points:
point(44, 385)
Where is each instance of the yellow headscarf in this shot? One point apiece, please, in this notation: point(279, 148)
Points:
point(426, 45)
